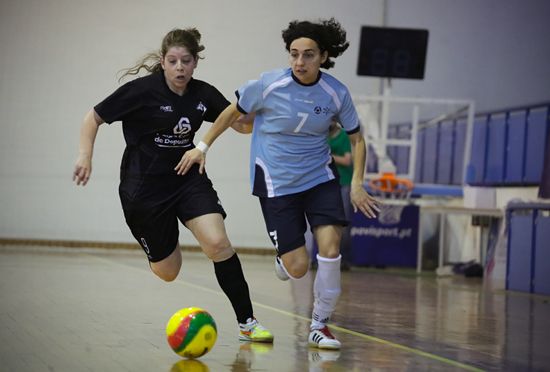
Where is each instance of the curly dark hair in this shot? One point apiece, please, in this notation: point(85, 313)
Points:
point(328, 34)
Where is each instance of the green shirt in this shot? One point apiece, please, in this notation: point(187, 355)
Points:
point(340, 145)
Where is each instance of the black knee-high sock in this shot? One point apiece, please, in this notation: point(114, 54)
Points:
point(231, 279)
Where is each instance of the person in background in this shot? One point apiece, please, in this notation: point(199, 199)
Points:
point(291, 169)
point(340, 149)
point(160, 114)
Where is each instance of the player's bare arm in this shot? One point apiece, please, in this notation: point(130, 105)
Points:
point(360, 198)
point(344, 160)
point(198, 155)
point(244, 123)
point(88, 132)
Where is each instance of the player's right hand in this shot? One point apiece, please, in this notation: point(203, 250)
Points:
point(82, 170)
point(188, 159)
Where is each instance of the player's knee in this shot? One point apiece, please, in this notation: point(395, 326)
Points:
point(168, 275)
point(298, 273)
point(218, 250)
point(330, 252)
point(297, 269)
point(167, 269)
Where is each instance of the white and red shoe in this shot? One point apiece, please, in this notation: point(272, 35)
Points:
point(323, 339)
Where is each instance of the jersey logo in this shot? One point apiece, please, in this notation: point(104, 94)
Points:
point(318, 109)
point(201, 107)
point(166, 109)
point(183, 126)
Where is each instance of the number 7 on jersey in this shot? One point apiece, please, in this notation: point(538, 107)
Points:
point(304, 116)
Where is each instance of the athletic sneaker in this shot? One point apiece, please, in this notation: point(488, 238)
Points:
point(279, 270)
point(323, 339)
point(253, 331)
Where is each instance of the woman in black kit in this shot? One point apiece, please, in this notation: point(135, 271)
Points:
point(160, 114)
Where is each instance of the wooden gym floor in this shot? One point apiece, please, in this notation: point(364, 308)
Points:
point(103, 310)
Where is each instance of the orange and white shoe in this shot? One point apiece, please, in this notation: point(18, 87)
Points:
point(253, 331)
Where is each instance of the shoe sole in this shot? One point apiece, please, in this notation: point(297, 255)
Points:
point(325, 347)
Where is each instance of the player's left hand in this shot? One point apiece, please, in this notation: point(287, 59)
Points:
point(188, 159)
point(361, 200)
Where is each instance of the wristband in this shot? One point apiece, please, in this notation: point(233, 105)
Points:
point(203, 147)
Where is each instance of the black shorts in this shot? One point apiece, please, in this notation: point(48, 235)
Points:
point(285, 216)
point(152, 206)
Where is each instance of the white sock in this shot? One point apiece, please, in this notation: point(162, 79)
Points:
point(326, 290)
point(249, 323)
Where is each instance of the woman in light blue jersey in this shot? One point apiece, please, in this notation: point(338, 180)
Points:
point(291, 169)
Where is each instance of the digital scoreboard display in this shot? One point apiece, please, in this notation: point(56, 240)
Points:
point(392, 52)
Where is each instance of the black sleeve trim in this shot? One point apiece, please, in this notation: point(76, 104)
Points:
point(241, 110)
point(355, 130)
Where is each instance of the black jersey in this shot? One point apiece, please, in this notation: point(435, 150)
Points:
point(158, 124)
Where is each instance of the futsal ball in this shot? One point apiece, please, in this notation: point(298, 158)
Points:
point(191, 332)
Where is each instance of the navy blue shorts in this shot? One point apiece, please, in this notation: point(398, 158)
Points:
point(285, 216)
point(153, 205)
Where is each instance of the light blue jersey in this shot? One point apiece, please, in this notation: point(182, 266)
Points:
point(289, 151)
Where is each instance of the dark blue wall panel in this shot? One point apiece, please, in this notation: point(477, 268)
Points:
point(458, 155)
point(515, 149)
point(476, 167)
point(445, 152)
point(494, 172)
point(430, 154)
point(536, 138)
